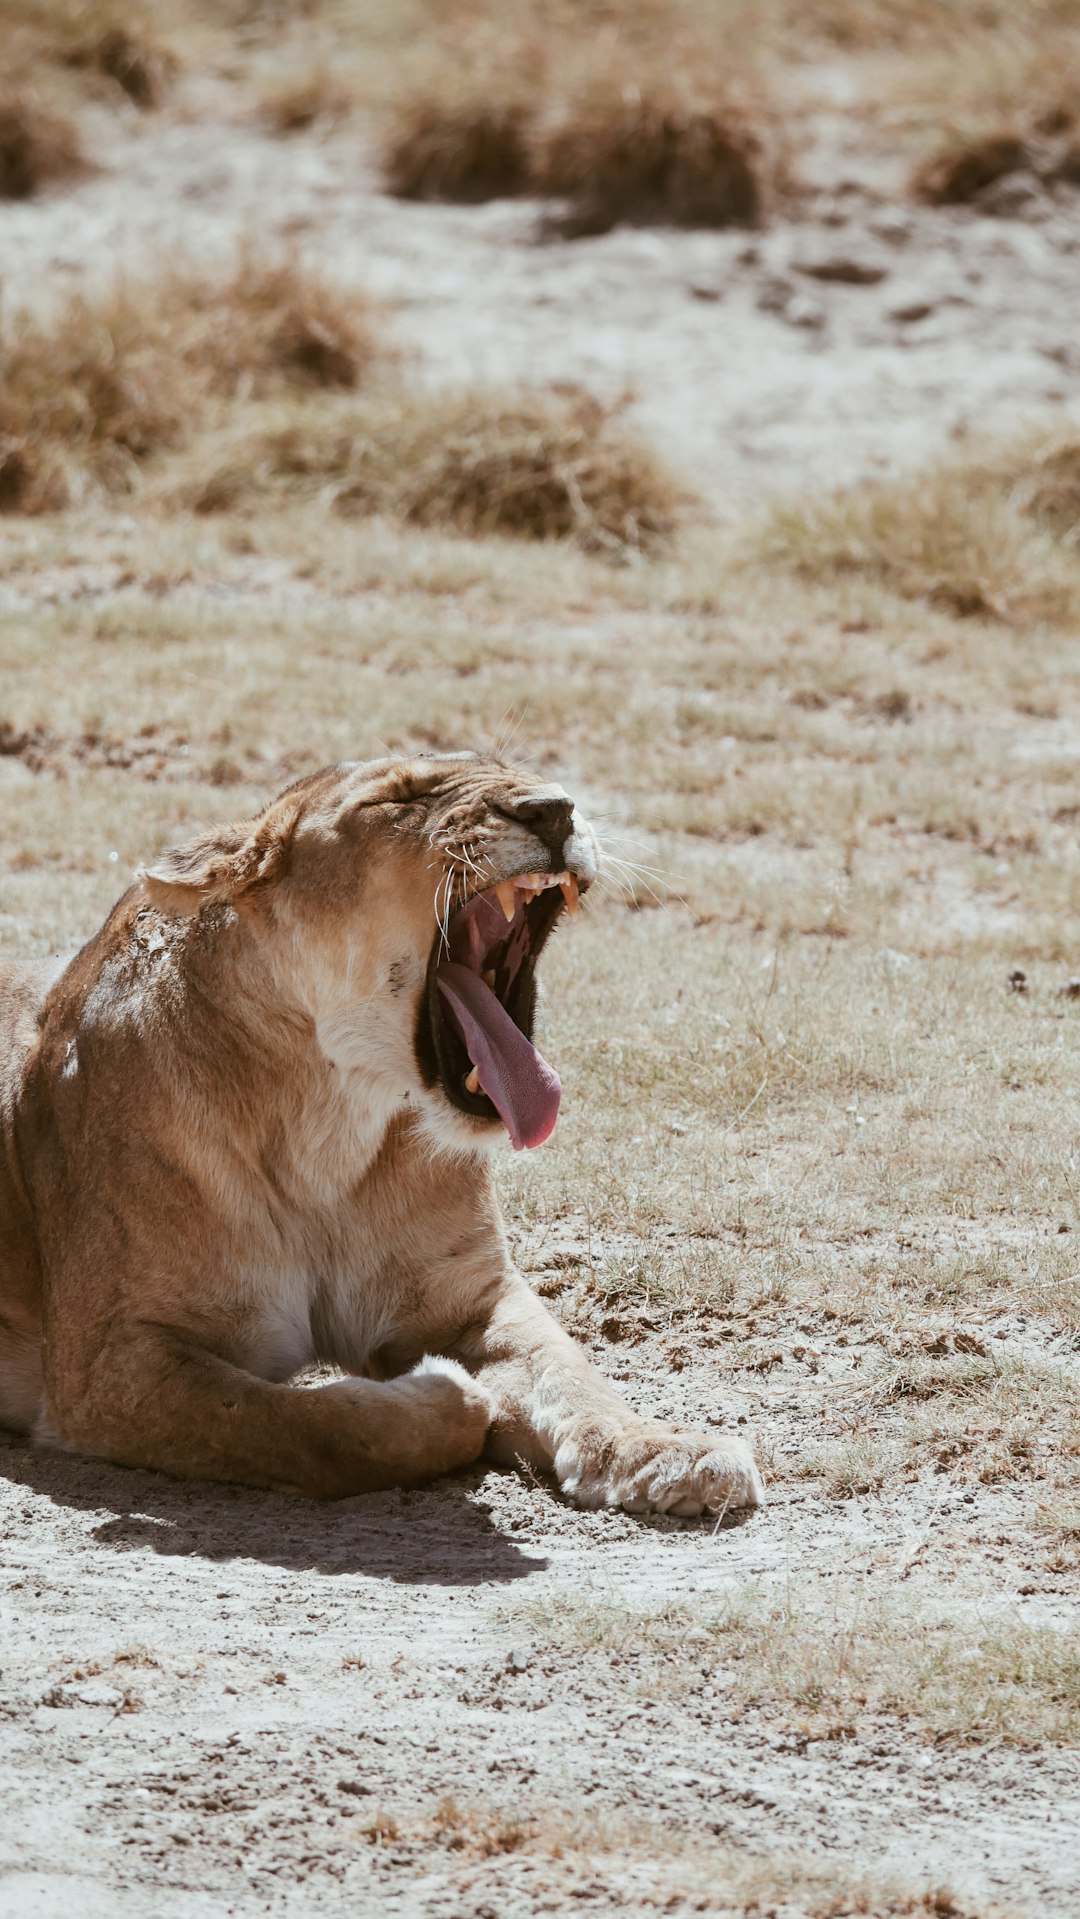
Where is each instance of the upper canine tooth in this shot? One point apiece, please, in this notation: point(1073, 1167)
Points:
point(504, 892)
point(569, 887)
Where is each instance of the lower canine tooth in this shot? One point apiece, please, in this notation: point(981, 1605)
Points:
point(506, 894)
point(569, 888)
point(472, 1081)
point(489, 978)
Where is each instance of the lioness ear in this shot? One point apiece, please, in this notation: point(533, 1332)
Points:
point(220, 865)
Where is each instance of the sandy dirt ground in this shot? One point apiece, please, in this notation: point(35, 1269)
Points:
point(216, 1701)
point(209, 1698)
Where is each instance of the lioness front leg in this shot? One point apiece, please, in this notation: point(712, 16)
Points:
point(153, 1397)
point(554, 1410)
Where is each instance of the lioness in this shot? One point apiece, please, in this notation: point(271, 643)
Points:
point(249, 1126)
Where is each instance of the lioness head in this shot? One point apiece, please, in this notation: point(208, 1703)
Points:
point(401, 906)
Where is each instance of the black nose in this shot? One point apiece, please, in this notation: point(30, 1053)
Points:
point(548, 815)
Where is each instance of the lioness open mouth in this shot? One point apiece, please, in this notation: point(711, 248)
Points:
point(480, 1000)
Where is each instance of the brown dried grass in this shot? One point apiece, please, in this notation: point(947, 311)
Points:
point(38, 148)
point(141, 68)
point(267, 324)
point(533, 466)
point(90, 394)
point(1048, 488)
point(311, 99)
point(462, 150)
point(652, 156)
point(963, 165)
point(989, 536)
point(591, 129)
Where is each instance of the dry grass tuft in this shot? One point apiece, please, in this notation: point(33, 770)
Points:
point(38, 148)
point(82, 401)
point(985, 537)
point(644, 156)
point(959, 169)
point(89, 395)
point(141, 69)
point(1050, 490)
point(316, 98)
point(540, 467)
point(972, 157)
point(613, 153)
point(270, 322)
point(468, 151)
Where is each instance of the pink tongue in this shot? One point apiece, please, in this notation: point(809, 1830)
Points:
point(515, 1077)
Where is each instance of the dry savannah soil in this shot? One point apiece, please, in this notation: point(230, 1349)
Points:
point(816, 1171)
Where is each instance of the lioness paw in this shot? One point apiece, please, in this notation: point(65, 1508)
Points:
point(686, 1474)
point(457, 1386)
point(448, 1400)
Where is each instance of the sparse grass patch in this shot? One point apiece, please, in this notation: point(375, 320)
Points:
point(1058, 1521)
point(986, 537)
point(650, 1865)
point(853, 1466)
point(957, 1405)
point(538, 466)
point(968, 1678)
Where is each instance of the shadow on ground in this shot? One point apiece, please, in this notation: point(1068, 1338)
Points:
point(433, 1536)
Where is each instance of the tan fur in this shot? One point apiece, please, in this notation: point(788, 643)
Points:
point(222, 1157)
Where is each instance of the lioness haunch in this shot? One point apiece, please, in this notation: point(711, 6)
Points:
point(247, 1127)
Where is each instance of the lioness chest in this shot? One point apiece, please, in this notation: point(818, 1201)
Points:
point(324, 1224)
